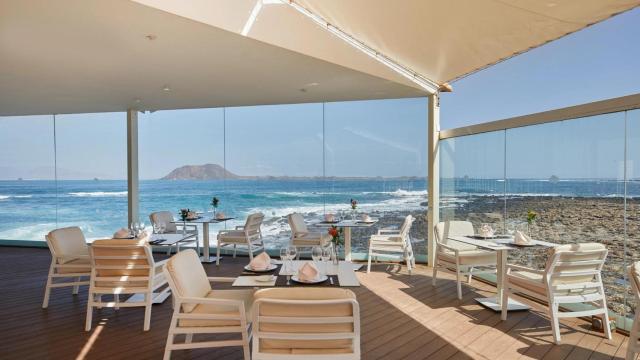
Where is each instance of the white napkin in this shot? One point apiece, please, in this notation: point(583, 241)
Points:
point(220, 215)
point(329, 217)
point(521, 239)
point(143, 234)
point(365, 218)
point(122, 234)
point(486, 231)
point(260, 262)
point(308, 272)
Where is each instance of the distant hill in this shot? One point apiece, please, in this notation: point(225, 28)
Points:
point(200, 172)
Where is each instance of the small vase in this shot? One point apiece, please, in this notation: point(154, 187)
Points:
point(354, 214)
point(335, 257)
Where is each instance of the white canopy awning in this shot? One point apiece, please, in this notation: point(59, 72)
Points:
point(72, 56)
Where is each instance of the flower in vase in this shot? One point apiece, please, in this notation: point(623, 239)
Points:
point(335, 233)
point(531, 216)
point(214, 202)
point(354, 204)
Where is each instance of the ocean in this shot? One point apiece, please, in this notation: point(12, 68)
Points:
point(29, 209)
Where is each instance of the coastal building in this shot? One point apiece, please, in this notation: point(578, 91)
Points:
point(113, 110)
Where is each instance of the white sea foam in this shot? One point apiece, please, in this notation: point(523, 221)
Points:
point(4, 197)
point(99, 194)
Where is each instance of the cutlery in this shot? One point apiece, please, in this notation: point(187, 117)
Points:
point(331, 280)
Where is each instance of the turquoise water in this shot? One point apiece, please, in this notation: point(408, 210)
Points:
point(29, 209)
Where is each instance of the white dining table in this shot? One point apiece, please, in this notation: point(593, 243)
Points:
point(205, 220)
point(347, 225)
point(501, 245)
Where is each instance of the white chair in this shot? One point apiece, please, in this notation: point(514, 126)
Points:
point(572, 275)
point(633, 346)
point(200, 310)
point(460, 258)
point(124, 267)
point(249, 235)
point(393, 242)
point(306, 323)
point(69, 261)
point(301, 237)
point(166, 218)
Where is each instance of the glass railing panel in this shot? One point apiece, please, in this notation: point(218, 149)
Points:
point(275, 154)
point(633, 207)
point(91, 153)
point(472, 179)
point(27, 177)
point(375, 154)
point(571, 175)
point(181, 162)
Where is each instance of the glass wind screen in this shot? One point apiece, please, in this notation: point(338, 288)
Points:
point(274, 157)
point(181, 162)
point(632, 225)
point(27, 177)
point(472, 179)
point(91, 153)
point(375, 153)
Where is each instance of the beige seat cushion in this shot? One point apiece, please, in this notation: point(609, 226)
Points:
point(297, 224)
point(312, 238)
point(246, 296)
point(166, 218)
point(188, 275)
point(535, 283)
point(236, 237)
point(305, 346)
point(74, 269)
point(469, 257)
point(67, 242)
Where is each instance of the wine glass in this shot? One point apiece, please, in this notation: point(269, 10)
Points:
point(162, 228)
point(284, 256)
point(156, 228)
point(142, 226)
point(326, 256)
point(292, 251)
point(316, 255)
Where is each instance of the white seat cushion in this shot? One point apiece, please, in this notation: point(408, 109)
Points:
point(67, 242)
point(246, 296)
point(311, 239)
point(469, 257)
point(86, 268)
point(188, 276)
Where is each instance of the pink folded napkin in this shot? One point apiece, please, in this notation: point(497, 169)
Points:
point(220, 215)
point(260, 262)
point(308, 272)
point(122, 234)
point(329, 217)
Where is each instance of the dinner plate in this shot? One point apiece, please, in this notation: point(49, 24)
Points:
point(270, 268)
point(319, 280)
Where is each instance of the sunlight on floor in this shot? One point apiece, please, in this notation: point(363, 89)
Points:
point(92, 340)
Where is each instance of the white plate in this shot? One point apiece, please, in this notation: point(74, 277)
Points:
point(319, 280)
point(265, 278)
point(270, 268)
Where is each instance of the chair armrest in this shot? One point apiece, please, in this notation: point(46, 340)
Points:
point(524, 268)
point(388, 231)
point(240, 227)
point(214, 301)
point(456, 251)
point(221, 279)
point(160, 264)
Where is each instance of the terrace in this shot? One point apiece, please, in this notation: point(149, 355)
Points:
point(113, 110)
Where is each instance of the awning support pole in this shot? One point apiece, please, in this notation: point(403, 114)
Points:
point(433, 176)
point(132, 165)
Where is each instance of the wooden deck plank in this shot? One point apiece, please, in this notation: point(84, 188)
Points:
point(402, 317)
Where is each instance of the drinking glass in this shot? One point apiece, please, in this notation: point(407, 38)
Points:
point(316, 255)
point(326, 257)
point(163, 228)
point(284, 256)
point(156, 228)
point(292, 251)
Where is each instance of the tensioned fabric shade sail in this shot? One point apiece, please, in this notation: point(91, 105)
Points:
point(440, 40)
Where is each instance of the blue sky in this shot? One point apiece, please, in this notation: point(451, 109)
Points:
point(371, 138)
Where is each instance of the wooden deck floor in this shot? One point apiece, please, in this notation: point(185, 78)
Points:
point(403, 317)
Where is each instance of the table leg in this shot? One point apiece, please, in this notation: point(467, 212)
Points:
point(495, 303)
point(206, 258)
point(347, 244)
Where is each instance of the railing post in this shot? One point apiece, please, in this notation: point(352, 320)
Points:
point(132, 165)
point(433, 177)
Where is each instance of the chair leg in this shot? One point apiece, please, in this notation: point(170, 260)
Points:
point(116, 299)
point(555, 322)
point(435, 273)
point(250, 252)
point(47, 289)
point(245, 343)
point(148, 297)
point(459, 282)
point(605, 322)
point(632, 345)
point(188, 339)
point(218, 246)
point(87, 325)
point(76, 288)
point(369, 260)
point(167, 347)
point(168, 250)
point(198, 245)
point(470, 275)
point(234, 250)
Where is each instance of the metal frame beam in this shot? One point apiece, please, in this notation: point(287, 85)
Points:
point(433, 209)
point(132, 165)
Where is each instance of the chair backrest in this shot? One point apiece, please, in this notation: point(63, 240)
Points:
point(66, 243)
point(406, 227)
point(452, 228)
point(318, 321)
point(575, 266)
point(296, 222)
point(253, 223)
point(187, 277)
point(119, 263)
point(164, 217)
